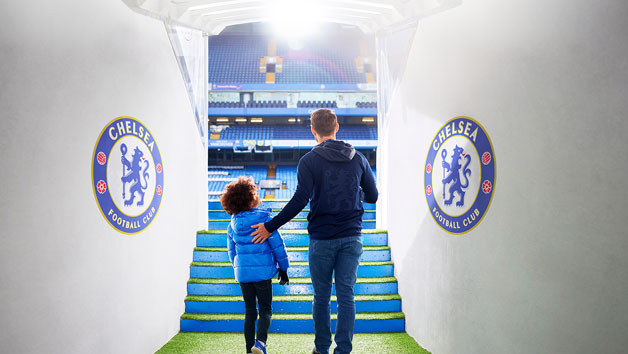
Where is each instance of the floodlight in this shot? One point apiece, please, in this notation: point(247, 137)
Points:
point(294, 18)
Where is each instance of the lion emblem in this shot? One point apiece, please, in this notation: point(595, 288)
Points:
point(134, 176)
point(454, 175)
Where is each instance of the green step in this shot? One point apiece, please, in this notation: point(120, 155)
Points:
point(288, 343)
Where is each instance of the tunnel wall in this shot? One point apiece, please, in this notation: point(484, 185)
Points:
point(545, 270)
point(70, 282)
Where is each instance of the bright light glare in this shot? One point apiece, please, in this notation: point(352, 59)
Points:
point(294, 18)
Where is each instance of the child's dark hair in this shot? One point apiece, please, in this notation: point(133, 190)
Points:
point(239, 195)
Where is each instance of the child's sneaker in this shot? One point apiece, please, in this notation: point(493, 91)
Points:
point(259, 347)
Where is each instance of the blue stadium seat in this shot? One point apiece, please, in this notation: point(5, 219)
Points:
point(235, 59)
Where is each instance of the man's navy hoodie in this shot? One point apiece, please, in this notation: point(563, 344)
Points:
point(335, 178)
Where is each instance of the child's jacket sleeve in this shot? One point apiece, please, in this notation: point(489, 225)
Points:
point(231, 246)
point(278, 247)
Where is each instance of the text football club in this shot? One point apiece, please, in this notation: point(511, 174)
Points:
point(127, 175)
point(459, 175)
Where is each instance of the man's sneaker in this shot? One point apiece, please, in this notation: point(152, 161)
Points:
point(314, 351)
point(259, 347)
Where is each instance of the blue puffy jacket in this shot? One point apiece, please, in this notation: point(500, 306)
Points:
point(254, 262)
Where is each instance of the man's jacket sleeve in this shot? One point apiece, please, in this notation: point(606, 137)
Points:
point(368, 183)
point(305, 185)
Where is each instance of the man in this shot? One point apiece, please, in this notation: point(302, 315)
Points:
point(334, 178)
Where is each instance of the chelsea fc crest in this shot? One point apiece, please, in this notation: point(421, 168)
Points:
point(127, 175)
point(459, 175)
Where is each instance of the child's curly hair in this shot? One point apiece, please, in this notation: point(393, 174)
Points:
point(239, 195)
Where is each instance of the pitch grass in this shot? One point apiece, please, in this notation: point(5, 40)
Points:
point(288, 343)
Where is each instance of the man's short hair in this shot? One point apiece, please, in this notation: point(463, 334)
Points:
point(324, 122)
point(239, 195)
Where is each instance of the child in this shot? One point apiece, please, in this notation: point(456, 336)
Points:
point(254, 265)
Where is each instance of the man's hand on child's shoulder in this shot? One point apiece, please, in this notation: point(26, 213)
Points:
point(261, 234)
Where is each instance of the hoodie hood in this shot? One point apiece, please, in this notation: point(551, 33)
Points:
point(241, 222)
point(335, 151)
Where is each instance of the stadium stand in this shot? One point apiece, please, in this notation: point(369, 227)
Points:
point(219, 176)
point(235, 58)
point(331, 60)
point(294, 132)
point(226, 104)
point(267, 104)
point(317, 104)
point(288, 176)
point(366, 104)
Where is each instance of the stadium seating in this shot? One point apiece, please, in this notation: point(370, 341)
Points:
point(366, 104)
point(236, 59)
point(317, 104)
point(267, 104)
point(219, 176)
point(329, 60)
point(294, 132)
point(226, 104)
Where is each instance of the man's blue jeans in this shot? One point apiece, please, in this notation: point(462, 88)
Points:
point(342, 257)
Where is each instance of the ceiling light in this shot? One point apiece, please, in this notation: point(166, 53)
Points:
point(240, 120)
point(257, 120)
point(368, 120)
point(222, 120)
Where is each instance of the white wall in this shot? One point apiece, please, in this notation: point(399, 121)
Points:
point(546, 271)
point(70, 283)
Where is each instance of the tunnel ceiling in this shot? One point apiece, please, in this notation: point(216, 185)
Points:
point(212, 16)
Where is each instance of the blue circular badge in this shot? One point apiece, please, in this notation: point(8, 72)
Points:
point(459, 175)
point(127, 175)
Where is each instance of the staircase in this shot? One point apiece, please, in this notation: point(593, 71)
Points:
point(214, 302)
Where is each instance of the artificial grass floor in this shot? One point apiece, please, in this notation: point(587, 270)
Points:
point(288, 343)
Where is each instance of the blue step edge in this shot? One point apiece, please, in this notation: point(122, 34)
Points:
point(291, 240)
point(300, 256)
point(290, 225)
point(222, 272)
point(293, 289)
point(289, 306)
point(214, 204)
point(302, 215)
point(292, 326)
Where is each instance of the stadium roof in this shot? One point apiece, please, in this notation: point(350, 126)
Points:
point(212, 16)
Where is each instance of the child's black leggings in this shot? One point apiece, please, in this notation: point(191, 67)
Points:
point(263, 291)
